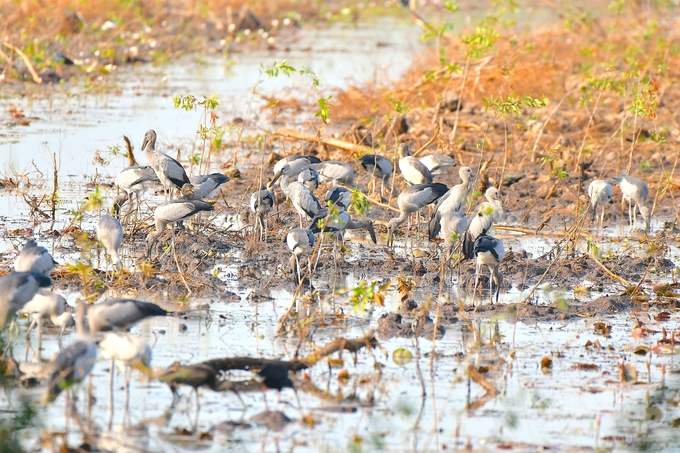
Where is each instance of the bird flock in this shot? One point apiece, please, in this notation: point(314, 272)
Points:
point(102, 327)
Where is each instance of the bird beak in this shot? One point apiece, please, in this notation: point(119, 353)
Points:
point(276, 177)
point(371, 231)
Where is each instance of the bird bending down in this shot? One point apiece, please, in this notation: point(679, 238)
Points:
point(309, 178)
point(490, 253)
point(412, 200)
point(169, 171)
point(16, 290)
point(171, 212)
point(133, 181)
point(120, 314)
point(335, 171)
point(378, 167)
point(73, 363)
point(481, 220)
point(635, 191)
point(413, 170)
point(437, 163)
point(34, 258)
point(261, 202)
point(304, 201)
point(297, 163)
point(301, 242)
point(600, 192)
point(205, 186)
point(110, 234)
point(453, 200)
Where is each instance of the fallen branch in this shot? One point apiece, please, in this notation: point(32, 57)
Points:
point(422, 148)
point(621, 280)
point(252, 363)
point(27, 62)
point(334, 142)
point(341, 343)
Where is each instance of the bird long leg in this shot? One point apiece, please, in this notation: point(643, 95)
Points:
point(602, 220)
point(474, 291)
point(264, 397)
point(491, 284)
point(299, 272)
point(39, 336)
point(128, 376)
point(111, 393)
point(310, 274)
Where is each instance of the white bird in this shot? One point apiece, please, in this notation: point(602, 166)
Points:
point(378, 167)
point(171, 212)
point(453, 226)
point(413, 170)
point(205, 186)
point(47, 305)
point(129, 352)
point(490, 253)
point(304, 201)
point(635, 191)
point(340, 221)
point(335, 171)
point(110, 234)
point(132, 180)
point(310, 178)
point(169, 171)
point(297, 163)
point(412, 200)
point(34, 258)
point(301, 242)
point(482, 219)
point(437, 163)
point(16, 290)
point(73, 363)
point(453, 200)
point(119, 314)
point(261, 202)
point(339, 197)
point(600, 192)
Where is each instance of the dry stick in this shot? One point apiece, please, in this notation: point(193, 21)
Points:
point(545, 123)
point(429, 142)
point(55, 182)
point(619, 279)
point(460, 97)
point(382, 205)
point(590, 122)
point(334, 142)
point(27, 62)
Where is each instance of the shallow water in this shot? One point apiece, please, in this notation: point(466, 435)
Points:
point(559, 407)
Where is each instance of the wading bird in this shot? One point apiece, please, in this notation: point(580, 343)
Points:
point(205, 186)
point(338, 197)
point(335, 171)
point(600, 192)
point(297, 163)
point(489, 252)
point(110, 234)
point(453, 226)
point(412, 200)
point(34, 258)
point(309, 178)
point(133, 181)
point(437, 163)
point(75, 362)
point(120, 314)
point(337, 223)
point(169, 171)
point(304, 201)
point(413, 170)
point(47, 305)
point(482, 219)
point(635, 191)
point(378, 167)
point(301, 242)
point(16, 290)
point(453, 200)
point(172, 212)
point(261, 202)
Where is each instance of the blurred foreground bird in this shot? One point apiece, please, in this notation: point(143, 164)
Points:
point(120, 314)
point(73, 363)
point(195, 376)
point(490, 253)
point(275, 377)
point(34, 258)
point(169, 171)
point(17, 289)
point(47, 305)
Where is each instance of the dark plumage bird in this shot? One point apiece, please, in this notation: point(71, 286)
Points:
point(195, 376)
point(489, 252)
point(16, 290)
point(275, 377)
point(118, 314)
point(34, 258)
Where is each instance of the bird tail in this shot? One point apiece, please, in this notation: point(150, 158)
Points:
point(433, 226)
point(468, 246)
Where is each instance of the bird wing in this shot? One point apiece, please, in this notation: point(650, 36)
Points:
point(177, 210)
point(174, 171)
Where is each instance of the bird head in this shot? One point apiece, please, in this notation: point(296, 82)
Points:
point(149, 139)
point(404, 150)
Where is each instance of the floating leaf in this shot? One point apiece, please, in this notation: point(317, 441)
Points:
point(402, 356)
